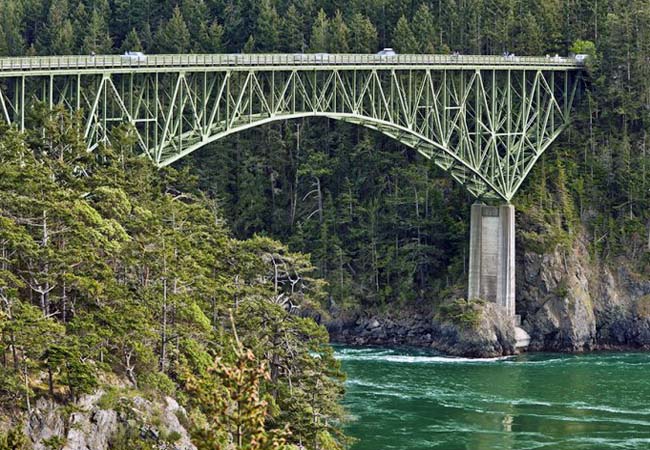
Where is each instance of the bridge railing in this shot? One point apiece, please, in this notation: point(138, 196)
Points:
point(298, 59)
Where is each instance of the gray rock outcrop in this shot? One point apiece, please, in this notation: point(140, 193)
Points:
point(554, 299)
point(492, 336)
point(90, 427)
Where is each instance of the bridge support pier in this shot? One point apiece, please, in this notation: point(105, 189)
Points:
point(492, 255)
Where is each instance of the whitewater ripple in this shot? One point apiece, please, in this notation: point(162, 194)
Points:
point(407, 359)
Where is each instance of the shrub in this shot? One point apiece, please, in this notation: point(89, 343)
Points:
point(461, 312)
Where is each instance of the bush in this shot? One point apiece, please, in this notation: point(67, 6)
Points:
point(463, 313)
point(158, 383)
point(14, 439)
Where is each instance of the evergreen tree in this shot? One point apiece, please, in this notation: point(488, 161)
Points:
point(425, 30)
point(196, 17)
point(319, 40)
point(97, 39)
point(132, 42)
point(363, 35)
point(173, 36)
point(291, 32)
point(211, 38)
point(249, 46)
point(268, 28)
point(339, 34)
point(12, 42)
point(404, 41)
point(528, 36)
point(58, 36)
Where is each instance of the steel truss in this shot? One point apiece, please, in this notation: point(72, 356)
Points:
point(486, 126)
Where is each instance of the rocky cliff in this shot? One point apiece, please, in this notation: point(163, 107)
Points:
point(567, 302)
point(483, 333)
point(103, 421)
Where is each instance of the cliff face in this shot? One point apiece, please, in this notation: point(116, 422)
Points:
point(569, 303)
point(554, 299)
point(95, 424)
point(492, 334)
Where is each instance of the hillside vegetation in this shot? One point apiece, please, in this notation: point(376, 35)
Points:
point(189, 281)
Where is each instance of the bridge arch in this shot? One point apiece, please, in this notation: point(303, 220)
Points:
point(484, 119)
point(473, 180)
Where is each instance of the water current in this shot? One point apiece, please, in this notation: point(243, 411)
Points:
point(410, 399)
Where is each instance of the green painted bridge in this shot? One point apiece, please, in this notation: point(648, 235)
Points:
point(484, 119)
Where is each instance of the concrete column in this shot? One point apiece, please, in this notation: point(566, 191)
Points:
point(492, 255)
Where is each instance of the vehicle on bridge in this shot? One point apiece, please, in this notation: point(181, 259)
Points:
point(134, 56)
point(387, 52)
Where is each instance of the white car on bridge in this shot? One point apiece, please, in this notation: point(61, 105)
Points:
point(134, 57)
point(387, 52)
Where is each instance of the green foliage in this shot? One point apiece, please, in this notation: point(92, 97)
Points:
point(232, 399)
point(130, 280)
point(461, 312)
point(404, 40)
point(14, 439)
point(121, 270)
point(382, 226)
point(173, 36)
point(157, 382)
point(363, 34)
point(132, 42)
point(54, 443)
point(268, 26)
point(319, 40)
point(583, 47)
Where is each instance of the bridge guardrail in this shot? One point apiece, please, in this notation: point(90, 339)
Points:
point(249, 60)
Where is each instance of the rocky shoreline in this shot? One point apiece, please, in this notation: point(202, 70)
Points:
point(493, 336)
point(567, 303)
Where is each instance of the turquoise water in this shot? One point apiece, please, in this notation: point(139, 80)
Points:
point(404, 399)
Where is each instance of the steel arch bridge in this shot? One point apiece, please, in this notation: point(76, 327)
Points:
point(484, 119)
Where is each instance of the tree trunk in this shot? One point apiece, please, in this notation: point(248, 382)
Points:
point(163, 334)
point(26, 378)
point(320, 200)
point(45, 304)
point(64, 302)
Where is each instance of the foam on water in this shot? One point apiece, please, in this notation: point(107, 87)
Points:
point(410, 399)
point(388, 356)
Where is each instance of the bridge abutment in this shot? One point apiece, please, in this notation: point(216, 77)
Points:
point(492, 255)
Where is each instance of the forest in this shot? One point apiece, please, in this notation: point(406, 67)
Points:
point(201, 281)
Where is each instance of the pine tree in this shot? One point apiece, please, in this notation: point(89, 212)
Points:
point(268, 28)
point(173, 36)
point(132, 42)
point(319, 40)
point(58, 36)
point(80, 20)
point(249, 46)
point(210, 38)
point(235, 31)
point(528, 36)
point(195, 14)
point(404, 40)
point(339, 34)
point(97, 39)
point(425, 30)
point(293, 38)
point(363, 35)
point(12, 42)
point(129, 14)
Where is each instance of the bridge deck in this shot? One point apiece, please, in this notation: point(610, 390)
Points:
point(317, 61)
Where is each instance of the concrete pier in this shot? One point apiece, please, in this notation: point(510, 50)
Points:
point(492, 255)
